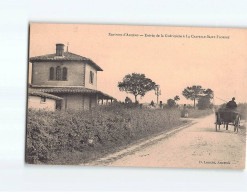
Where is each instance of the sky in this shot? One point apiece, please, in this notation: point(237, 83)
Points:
point(172, 62)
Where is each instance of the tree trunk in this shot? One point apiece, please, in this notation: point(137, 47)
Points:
point(194, 103)
point(135, 98)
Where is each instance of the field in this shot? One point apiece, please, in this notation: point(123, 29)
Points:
point(78, 137)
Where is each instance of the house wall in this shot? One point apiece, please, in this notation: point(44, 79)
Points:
point(75, 73)
point(78, 102)
point(34, 102)
point(89, 85)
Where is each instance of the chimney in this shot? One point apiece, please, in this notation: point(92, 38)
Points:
point(59, 49)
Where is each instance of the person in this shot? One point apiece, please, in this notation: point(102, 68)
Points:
point(231, 104)
point(161, 105)
point(185, 112)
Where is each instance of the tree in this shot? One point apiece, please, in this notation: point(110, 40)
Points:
point(171, 103)
point(176, 98)
point(193, 93)
point(203, 103)
point(209, 93)
point(196, 91)
point(136, 84)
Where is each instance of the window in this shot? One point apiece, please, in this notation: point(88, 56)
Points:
point(43, 100)
point(91, 77)
point(58, 73)
point(51, 73)
point(61, 74)
point(64, 74)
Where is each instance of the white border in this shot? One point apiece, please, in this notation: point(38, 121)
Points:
point(14, 18)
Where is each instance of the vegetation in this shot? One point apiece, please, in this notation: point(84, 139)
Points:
point(242, 108)
point(195, 92)
point(204, 103)
point(176, 98)
point(171, 103)
point(78, 137)
point(136, 84)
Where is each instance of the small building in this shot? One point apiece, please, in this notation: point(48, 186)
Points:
point(42, 101)
point(69, 76)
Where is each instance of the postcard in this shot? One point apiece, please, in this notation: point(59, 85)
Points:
point(136, 96)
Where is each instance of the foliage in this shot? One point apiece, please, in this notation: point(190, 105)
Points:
point(78, 137)
point(136, 84)
point(176, 98)
point(242, 108)
point(203, 103)
point(208, 93)
point(171, 103)
point(195, 92)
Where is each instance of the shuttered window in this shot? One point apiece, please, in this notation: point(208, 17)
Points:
point(91, 77)
point(58, 73)
point(61, 74)
point(51, 73)
point(65, 71)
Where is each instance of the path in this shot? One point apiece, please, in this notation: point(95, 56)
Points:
point(197, 146)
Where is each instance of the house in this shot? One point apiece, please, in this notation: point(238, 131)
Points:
point(69, 76)
point(39, 100)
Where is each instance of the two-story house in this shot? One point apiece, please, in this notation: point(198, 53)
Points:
point(69, 76)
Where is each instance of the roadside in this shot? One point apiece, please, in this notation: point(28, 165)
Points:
point(196, 146)
point(79, 137)
point(139, 145)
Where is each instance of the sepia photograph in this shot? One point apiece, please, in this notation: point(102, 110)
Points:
point(136, 96)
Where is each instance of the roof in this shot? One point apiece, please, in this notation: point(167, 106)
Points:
point(33, 92)
point(73, 90)
point(66, 57)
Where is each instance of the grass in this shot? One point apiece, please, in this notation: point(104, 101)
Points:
point(79, 137)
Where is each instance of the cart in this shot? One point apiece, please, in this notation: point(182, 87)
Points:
point(225, 116)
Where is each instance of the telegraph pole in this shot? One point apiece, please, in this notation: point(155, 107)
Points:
point(157, 92)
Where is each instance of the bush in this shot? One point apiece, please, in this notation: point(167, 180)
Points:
point(242, 108)
point(171, 103)
point(77, 137)
point(203, 103)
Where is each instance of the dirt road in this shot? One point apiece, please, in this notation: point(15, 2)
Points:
point(197, 146)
